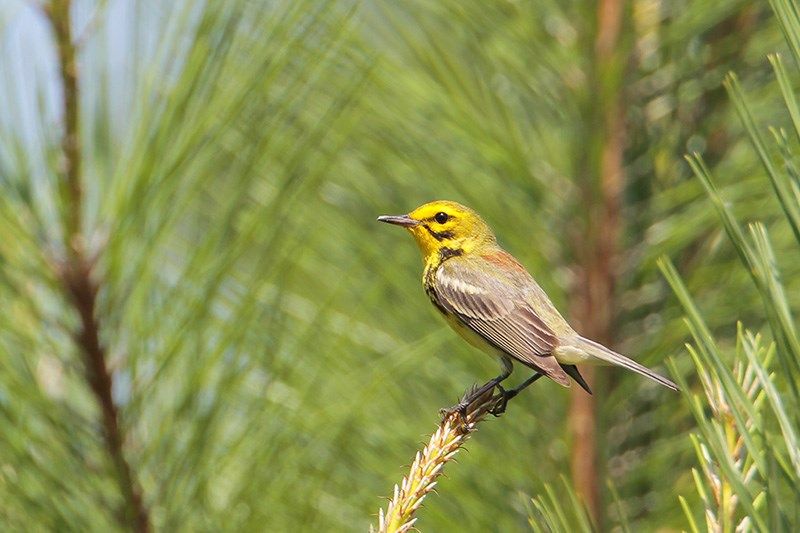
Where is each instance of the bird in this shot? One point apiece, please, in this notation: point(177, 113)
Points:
point(495, 304)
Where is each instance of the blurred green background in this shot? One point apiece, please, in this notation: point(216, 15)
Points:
point(273, 361)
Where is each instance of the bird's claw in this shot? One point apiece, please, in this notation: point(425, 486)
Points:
point(502, 402)
point(460, 408)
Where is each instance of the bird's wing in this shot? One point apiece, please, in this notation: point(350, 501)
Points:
point(498, 310)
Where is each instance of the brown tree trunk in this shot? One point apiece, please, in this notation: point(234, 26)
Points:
point(596, 249)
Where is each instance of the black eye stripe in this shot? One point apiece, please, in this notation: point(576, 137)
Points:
point(439, 235)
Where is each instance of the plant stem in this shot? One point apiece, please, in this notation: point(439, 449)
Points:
point(59, 14)
point(83, 292)
point(76, 271)
point(428, 465)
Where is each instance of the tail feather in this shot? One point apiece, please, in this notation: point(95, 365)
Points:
point(604, 354)
point(572, 370)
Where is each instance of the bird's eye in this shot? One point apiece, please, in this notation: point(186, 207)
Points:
point(441, 217)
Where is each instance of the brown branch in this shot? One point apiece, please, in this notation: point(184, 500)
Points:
point(58, 12)
point(597, 248)
point(76, 271)
point(428, 465)
point(77, 277)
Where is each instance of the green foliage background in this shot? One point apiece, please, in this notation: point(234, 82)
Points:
point(275, 362)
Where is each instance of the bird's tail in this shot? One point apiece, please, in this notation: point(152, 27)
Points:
point(611, 357)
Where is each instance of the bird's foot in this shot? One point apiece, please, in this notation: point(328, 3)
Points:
point(502, 401)
point(479, 394)
point(460, 408)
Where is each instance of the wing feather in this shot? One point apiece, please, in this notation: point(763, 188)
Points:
point(497, 309)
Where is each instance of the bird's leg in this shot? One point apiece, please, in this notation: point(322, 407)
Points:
point(500, 407)
point(471, 396)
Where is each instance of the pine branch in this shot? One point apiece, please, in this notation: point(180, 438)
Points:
point(428, 465)
point(76, 271)
point(59, 14)
point(77, 279)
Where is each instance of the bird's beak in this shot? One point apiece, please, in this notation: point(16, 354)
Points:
point(399, 220)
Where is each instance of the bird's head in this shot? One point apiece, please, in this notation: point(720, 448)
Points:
point(444, 227)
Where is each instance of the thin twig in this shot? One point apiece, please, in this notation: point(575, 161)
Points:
point(447, 440)
point(76, 271)
point(59, 14)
